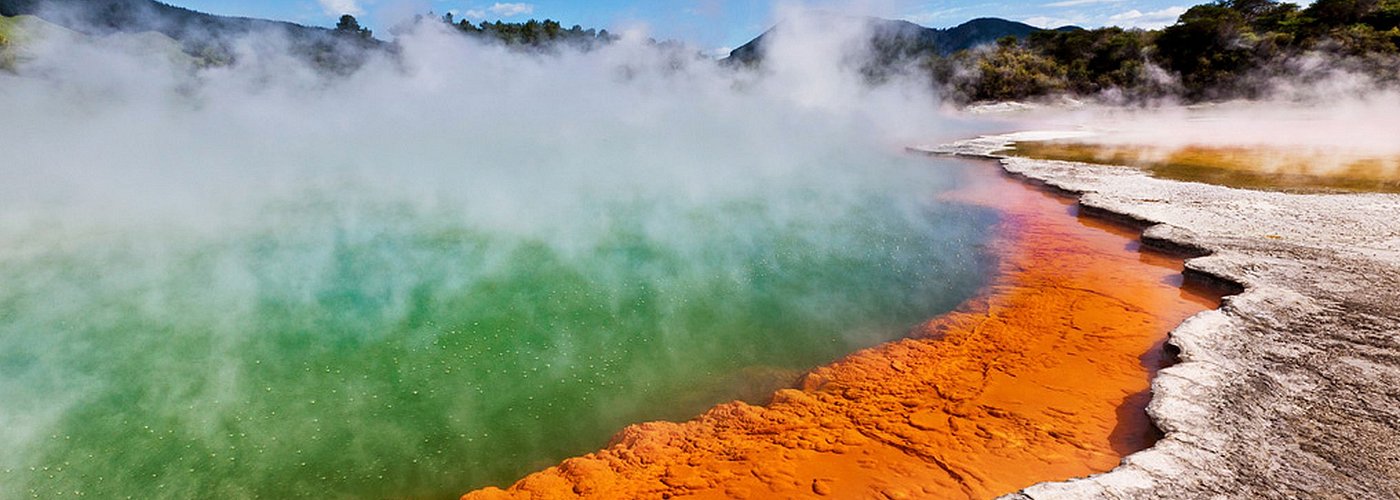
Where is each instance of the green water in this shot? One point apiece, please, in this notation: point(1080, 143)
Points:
point(369, 350)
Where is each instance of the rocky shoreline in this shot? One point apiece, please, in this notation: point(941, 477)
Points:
point(1291, 388)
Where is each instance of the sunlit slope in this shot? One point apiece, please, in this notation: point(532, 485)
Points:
point(6, 60)
point(18, 30)
point(6, 27)
point(24, 38)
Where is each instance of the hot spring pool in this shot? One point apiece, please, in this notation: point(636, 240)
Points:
point(351, 348)
point(454, 266)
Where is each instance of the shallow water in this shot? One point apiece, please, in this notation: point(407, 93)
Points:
point(1257, 167)
point(343, 347)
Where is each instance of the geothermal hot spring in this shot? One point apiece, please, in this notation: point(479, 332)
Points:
point(443, 271)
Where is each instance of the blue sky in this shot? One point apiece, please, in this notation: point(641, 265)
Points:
point(707, 23)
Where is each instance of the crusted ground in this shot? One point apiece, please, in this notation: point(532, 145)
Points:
point(1043, 377)
point(1290, 389)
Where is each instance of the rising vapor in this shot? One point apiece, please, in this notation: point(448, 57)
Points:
point(451, 266)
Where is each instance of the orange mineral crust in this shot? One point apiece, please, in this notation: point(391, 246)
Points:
point(1044, 377)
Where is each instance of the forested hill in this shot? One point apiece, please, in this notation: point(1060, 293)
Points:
point(206, 36)
point(109, 16)
point(893, 40)
point(531, 34)
point(1222, 50)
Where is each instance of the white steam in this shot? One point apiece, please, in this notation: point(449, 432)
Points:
point(102, 132)
point(138, 189)
point(1295, 130)
point(1365, 125)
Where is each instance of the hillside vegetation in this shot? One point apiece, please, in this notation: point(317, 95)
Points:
point(1222, 50)
point(208, 38)
point(15, 31)
point(6, 58)
point(18, 29)
point(894, 42)
point(533, 33)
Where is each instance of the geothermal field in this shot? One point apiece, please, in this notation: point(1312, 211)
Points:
point(252, 259)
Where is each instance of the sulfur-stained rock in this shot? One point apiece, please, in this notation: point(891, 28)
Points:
point(1287, 391)
point(914, 418)
point(929, 420)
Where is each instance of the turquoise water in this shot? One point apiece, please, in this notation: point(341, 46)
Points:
point(337, 348)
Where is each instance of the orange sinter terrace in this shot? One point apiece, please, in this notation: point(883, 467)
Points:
point(1045, 376)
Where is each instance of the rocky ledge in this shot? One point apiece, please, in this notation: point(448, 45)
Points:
point(1290, 389)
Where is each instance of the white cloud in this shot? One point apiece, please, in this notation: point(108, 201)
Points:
point(512, 9)
point(1049, 22)
point(1154, 19)
point(340, 7)
point(474, 14)
point(932, 16)
point(1076, 3)
point(1133, 18)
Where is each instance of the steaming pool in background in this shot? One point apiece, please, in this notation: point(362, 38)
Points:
point(372, 347)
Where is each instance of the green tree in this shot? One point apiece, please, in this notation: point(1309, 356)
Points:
point(1097, 60)
point(1386, 16)
point(1013, 71)
point(348, 25)
point(1338, 13)
point(1210, 47)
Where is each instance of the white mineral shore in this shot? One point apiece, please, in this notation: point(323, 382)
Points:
point(1292, 388)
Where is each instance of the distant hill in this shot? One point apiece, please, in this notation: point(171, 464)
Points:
point(100, 17)
point(895, 40)
point(206, 36)
point(986, 30)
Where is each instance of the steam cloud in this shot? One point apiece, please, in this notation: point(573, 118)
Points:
point(1363, 124)
point(461, 262)
point(1322, 119)
point(255, 280)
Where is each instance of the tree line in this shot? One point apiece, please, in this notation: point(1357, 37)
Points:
point(1221, 50)
point(534, 34)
